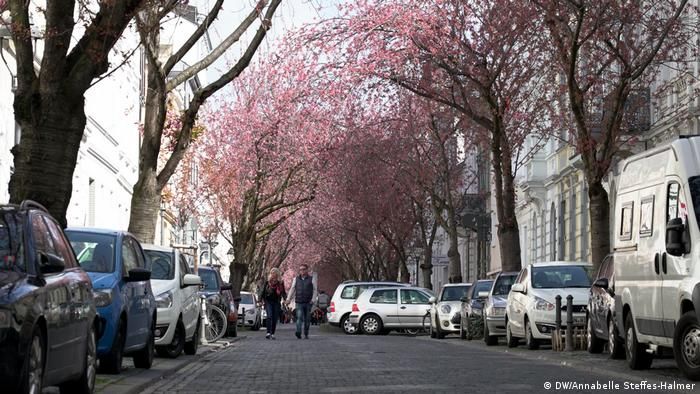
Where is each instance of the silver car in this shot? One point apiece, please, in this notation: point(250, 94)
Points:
point(249, 313)
point(495, 308)
point(380, 310)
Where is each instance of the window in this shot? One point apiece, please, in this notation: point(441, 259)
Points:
point(95, 252)
point(184, 267)
point(555, 277)
point(452, 293)
point(413, 297)
point(350, 293)
point(209, 279)
point(11, 256)
point(161, 264)
point(61, 246)
point(42, 238)
point(646, 216)
point(626, 217)
point(503, 284)
point(676, 207)
point(383, 297)
point(129, 259)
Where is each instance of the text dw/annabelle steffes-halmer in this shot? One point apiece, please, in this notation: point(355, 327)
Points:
point(612, 385)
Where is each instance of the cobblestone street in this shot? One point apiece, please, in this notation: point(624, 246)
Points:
point(331, 362)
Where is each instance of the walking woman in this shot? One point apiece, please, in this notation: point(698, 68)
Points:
point(272, 294)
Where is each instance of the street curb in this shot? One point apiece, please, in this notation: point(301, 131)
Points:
point(171, 371)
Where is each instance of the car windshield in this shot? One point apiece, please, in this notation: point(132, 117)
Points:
point(247, 299)
point(503, 284)
point(162, 266)
point(95, 252)
point(694, 183)
point(482, 286)
point(209, 280)
point(554, 277)
point(454, 293)
point(11, 250)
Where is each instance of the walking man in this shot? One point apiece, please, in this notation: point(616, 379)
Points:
point(303, 291)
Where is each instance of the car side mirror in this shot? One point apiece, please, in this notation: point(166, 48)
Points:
point(518, 288)
point(602, 283)
point(432, 300)
point(226, 286)
point(138, 275)
point(49, 263)
point(483, 294)
point(191, 280)
point(677, 242)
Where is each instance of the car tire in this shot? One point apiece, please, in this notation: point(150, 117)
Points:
point(232, 329)
point(32, 378)
point(468, 332)
point(255, 326)
point(433, 333)
point(530, 341)
point(616, 347)
point(488, 338)
point(594, 345)
point(637, 357)
point(371, 324)
point(686, 345)
point(112, 362)
point(144, 358)
point(462, 333)
point(348, 328)
point(511, 341)
point(85, 384)
point(192, 345)
point(439, 334)
point(175, 348)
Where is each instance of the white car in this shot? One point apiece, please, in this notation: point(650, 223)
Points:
point(249, 314)
point(175, 288)
point(380, 310)
point(444, 312)
point(344, 296)
point(530, 313)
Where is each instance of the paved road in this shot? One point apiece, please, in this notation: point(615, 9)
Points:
point(331, 362)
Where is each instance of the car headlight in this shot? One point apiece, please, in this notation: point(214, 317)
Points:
point(445, 308)
point(165, 300)
point(543, 305)
point(250, 311)
point(498, 311)
point(102, 297)
point(5, 318)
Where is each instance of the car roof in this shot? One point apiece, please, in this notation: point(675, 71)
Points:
point(349, 283)
point(457, 284)
point(560, 263)
point(159, 248)
point(94, 230)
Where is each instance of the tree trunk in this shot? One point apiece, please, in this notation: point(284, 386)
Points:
point(145, 205)
point(599, 208)
point(455, 269)
point(238, 272)
point(45, 159)
point(405, 276)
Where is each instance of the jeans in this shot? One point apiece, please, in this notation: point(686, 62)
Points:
point(303, 313)
point(273, 314)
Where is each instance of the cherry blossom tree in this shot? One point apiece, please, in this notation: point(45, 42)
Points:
point(607, 53)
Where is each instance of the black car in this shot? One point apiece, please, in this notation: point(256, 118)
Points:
point(601, 330)
point(48, 323)
point(217, 292)
point(471, 319)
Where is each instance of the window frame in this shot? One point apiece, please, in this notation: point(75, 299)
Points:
point(622, 235)
point(396, 299)
point(642, 203)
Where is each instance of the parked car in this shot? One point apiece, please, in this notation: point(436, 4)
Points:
point(249, 313)
point(232, 315)
point(215, 290)
point(531, 314)
point(117, 266)
point(175, 288)
point(48, 323)
point(382, 309)
point(344, 296)
point(471, 310)
point(656, 214)
point(444, 312)
point(601, 332)
point(495, 308)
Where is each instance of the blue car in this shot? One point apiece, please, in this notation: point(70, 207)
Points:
point(117, 266)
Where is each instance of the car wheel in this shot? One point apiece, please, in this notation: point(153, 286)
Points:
point(348, 328)
point(490, 340)
point(112, 362)
point(593, 343)
point(433, 333)
point(371, 324)
point(256, 325)
point(637, 357)
point(469, 335)
point(616, 348)
point(530, 341)
point(462, 333)
point(510, 339)
point(144, 357)
point(85, 384)
point(32, 379)
point(192, 345)
point(174, 349)
point(686, 345)
point(439, 334)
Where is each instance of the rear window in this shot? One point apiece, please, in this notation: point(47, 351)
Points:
point(162, 266)
point(350, 292)
point(11, 251)
point(95, 252)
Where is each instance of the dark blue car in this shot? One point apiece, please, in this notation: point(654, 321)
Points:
point(118, 268)
point(48, 325)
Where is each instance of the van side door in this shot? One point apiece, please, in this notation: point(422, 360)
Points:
point(673, 269)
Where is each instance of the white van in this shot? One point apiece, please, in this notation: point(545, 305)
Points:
point(656, 245)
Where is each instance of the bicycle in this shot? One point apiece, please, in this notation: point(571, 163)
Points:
point(215, 321)
point(425, 326)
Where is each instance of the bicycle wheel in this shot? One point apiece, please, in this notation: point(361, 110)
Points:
point(217, 324)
